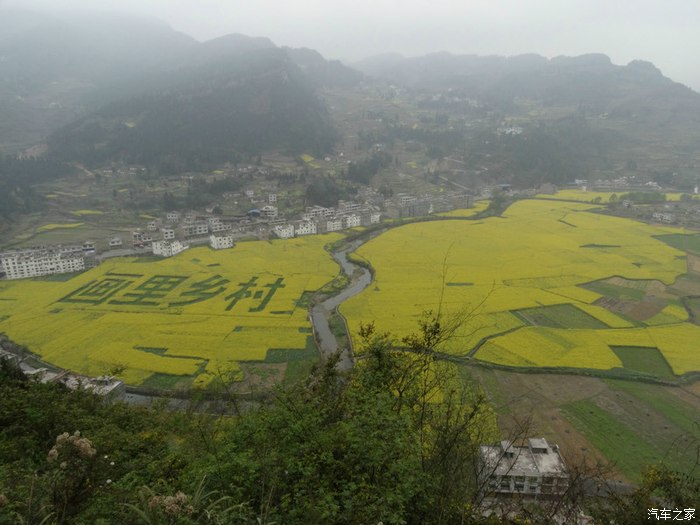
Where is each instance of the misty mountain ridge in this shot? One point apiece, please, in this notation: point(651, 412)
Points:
point(55, 70)
point(136, 90)
point(590, 81)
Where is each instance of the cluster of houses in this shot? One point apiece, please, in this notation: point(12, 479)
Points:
point(46, 260)
point(164, 237)
point(403, 205)
point(320, 219)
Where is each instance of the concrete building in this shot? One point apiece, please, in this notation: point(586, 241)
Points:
point(220, 227)
point(195, 229)
point(352, 220)
point(221, 242)
point(45, 261)
point(334, 225)
point(348, 207)
point(272, 198)
point(115, 242)
point(168, 248)
point(172, 216)
point(534, 469)
point(284, 231)
point(88, 248)
point(140, 238)
point(168, 233)
point(268, 212)
point(318, 212)
point(305, 228)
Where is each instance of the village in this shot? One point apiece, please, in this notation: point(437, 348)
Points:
point(175, 231)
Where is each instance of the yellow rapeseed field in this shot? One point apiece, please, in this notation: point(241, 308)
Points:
point(537, 254)
point(588, 196)
point(479, 206)
point(49, 227)
point(197, 314)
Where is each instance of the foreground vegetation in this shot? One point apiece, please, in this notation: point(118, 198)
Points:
point(395, 442)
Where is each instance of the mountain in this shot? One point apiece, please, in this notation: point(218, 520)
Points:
point(49, 65)
point(591, 82)
point(322, 72)
point(215, 110)
point(117, 86)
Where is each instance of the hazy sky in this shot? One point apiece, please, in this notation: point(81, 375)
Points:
point(665, 32)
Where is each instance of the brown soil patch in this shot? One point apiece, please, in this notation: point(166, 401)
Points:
point(685, 286)
point(533, 402)
point(644, 310)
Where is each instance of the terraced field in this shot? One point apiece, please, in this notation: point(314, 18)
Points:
point(548, 284)
point(173, 321)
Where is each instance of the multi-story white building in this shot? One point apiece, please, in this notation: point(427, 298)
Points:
point(168, 248)
point(533, 469)
point(352, 220)
point(284, 231)
point(33, 263)
point(115, 242)
point(317, 212)
point(219, 226)
point(348, 207)
point(172, 216)
point(272, 198)
point(305, 228)
point(221, 242)
point(268, 212)
point(195, 229)
point(140, 238)
point(375, 217)
point(334, 225)
point(168, 233)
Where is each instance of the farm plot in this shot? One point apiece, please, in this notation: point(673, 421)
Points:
point(196, 316)
point(525, 304)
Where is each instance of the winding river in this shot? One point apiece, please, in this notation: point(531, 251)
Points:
point(360, 278)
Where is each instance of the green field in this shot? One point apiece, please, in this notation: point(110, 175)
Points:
point(645, 360)
point(559, 316)
point(622, 443)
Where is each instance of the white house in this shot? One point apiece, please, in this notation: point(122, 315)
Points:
point(284, 231)
point(168, 248)
point(172, 216)
point(152, 226)
point(115, 242)
point(268, 212)
point(352, 220)
point(168, 233)
point(334, 225)
point(533, 469)
point(221, 242)
point(272, 198)
point(305, 228)
point(219, 227)
point(33, 263)
point(196, 229)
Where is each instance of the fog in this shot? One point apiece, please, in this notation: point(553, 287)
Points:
point(664, 33)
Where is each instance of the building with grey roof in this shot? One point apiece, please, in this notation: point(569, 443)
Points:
point(533, 469)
